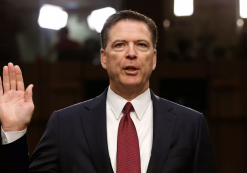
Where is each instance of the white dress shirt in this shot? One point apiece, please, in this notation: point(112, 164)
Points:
point(142, 117)
point(8, 137)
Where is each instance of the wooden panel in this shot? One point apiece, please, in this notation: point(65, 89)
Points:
point(65, 72)
point(226, 103)
point(93, 72)
point(227, 69)
point(231, 152)
point(244, 86)
point(60, 100)
point(170, 69)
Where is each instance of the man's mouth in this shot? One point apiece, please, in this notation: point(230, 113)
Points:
point(130, 68)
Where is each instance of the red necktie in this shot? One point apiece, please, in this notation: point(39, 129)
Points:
point(128, 153)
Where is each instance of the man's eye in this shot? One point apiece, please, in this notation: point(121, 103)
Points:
point(119, 45)
point(142, 45)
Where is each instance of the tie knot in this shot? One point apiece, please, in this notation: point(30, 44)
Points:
point(128, 107)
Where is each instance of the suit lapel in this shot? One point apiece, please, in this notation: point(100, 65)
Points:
point(94, 125)
point(163, 128)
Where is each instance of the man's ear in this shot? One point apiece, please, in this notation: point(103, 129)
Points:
point(103, 58)
point(154, 59)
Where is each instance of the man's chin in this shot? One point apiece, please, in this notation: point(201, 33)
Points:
point(131, 83)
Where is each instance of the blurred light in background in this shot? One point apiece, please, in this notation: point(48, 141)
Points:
point(240, 22)
point(183, 7)
point(52, 17)
point(243, 8)
point(166, 23)
point(98, 17)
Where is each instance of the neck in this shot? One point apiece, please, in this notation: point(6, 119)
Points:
point(129, 92)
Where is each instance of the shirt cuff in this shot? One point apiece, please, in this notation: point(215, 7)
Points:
point(8, 137)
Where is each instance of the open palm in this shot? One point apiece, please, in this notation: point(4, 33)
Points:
point(16, 104)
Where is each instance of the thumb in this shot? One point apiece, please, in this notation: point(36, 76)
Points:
point(29, 93)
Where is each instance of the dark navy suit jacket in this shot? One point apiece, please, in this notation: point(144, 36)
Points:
point(75, 141)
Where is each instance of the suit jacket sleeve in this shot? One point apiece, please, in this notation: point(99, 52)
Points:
point(204, 160)
point(14, 156)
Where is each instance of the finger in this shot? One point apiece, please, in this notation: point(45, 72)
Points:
point(1, 87)
point(12, 76)
point(6, 84)
point(29, 93)
point(19, 79)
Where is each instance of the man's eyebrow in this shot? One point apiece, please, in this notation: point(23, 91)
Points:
point(142, 40)
point(118, 41)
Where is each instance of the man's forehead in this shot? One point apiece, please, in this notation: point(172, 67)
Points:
point(127, 25)
point(129, 21)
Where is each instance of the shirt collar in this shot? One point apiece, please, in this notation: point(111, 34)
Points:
point(117, 103)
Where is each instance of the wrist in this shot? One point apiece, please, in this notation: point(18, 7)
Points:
point(13, 129)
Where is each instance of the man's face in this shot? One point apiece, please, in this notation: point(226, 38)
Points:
point(129, 57)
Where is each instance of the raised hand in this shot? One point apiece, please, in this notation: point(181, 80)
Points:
point(16, 103)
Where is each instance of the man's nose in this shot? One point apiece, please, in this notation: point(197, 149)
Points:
point(131, 52)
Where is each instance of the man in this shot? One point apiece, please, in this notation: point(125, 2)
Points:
point(127, 129)
point(66, 48)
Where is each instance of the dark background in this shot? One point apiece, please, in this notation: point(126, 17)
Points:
point(202, 62)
